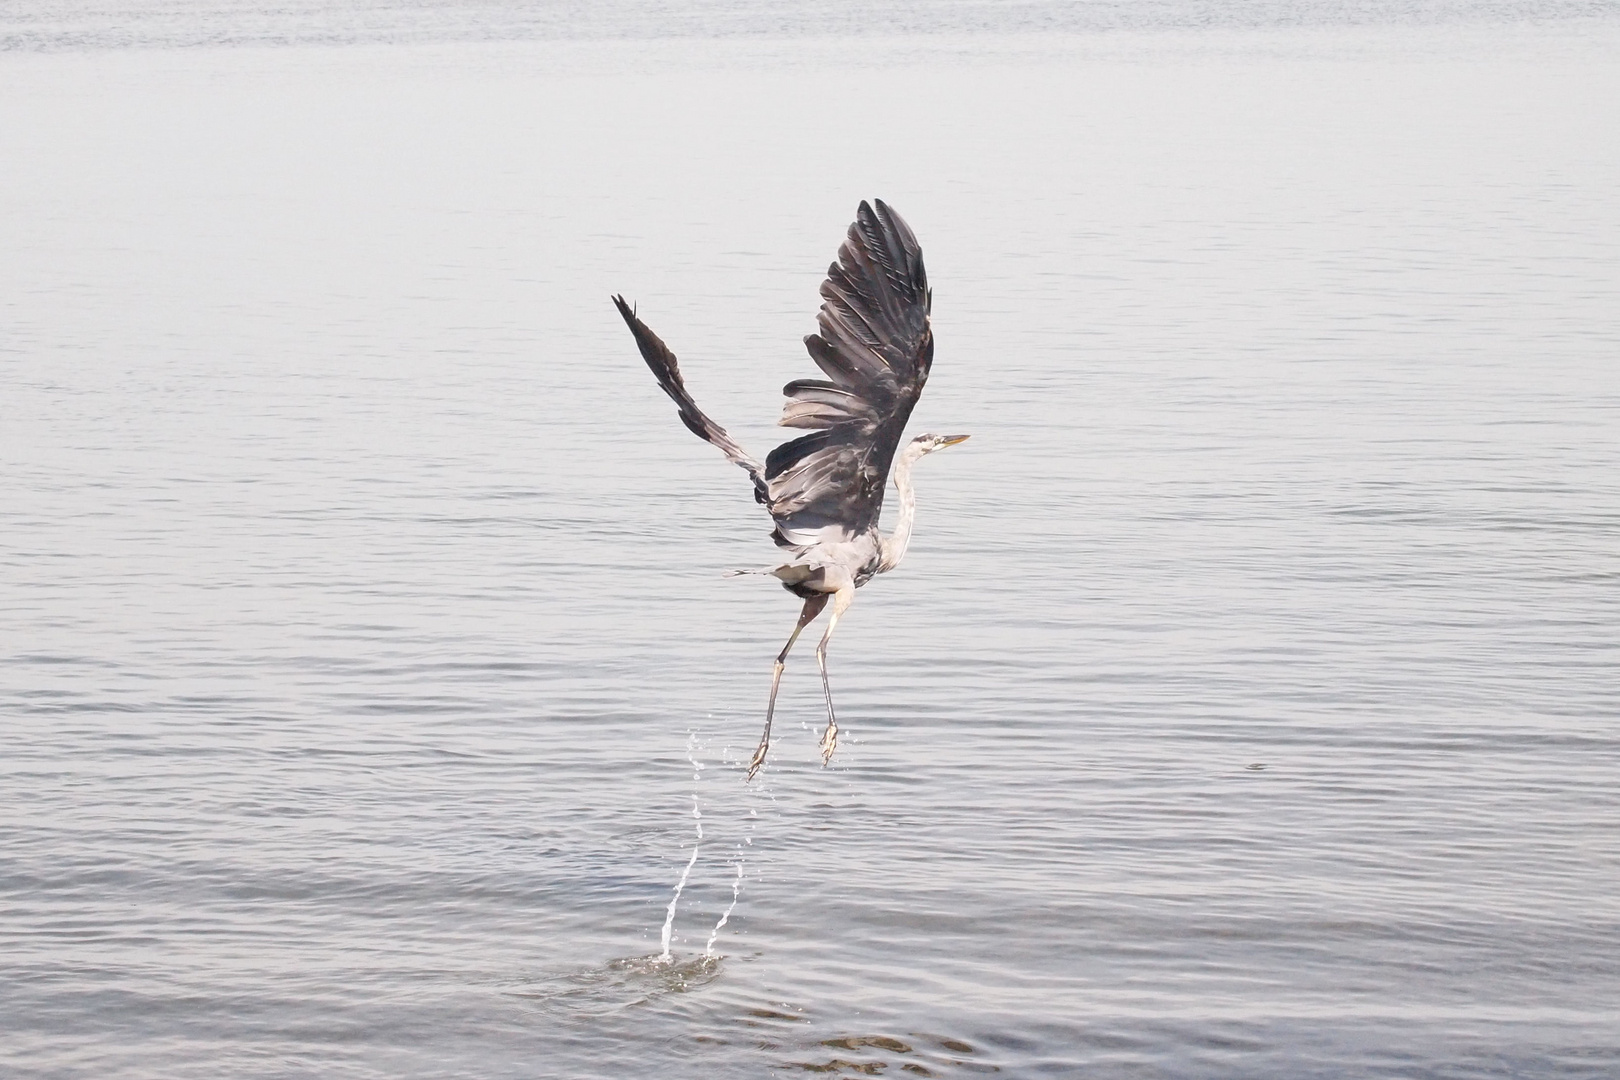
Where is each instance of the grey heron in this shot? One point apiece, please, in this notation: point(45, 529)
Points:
point(825, 490)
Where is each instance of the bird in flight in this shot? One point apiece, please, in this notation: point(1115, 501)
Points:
point(824, 490)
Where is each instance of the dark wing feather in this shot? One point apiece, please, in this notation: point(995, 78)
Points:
point(875, 348)
point(668, 373)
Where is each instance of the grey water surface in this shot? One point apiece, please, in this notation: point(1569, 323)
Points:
point(1248, 705)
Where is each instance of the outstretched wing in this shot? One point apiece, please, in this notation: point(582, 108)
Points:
point(875, 348)
point(668, 373)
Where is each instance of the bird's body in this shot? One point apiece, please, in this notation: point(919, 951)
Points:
point(824, 490)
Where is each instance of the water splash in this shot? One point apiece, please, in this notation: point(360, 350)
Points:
point(736, 890)
point(617, 986)
point(736, 882)
point(697, 845)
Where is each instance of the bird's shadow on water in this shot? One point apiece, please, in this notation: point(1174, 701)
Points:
point(620, 985)
point(913, 1054)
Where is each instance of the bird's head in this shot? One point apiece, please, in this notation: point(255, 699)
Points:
point(927, 444)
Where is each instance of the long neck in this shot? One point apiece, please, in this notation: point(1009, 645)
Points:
point(895, 544)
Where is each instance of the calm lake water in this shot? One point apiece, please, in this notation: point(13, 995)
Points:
point(1248, 705)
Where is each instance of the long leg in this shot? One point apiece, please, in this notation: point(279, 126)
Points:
point(812, 608)
point(829, 740)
